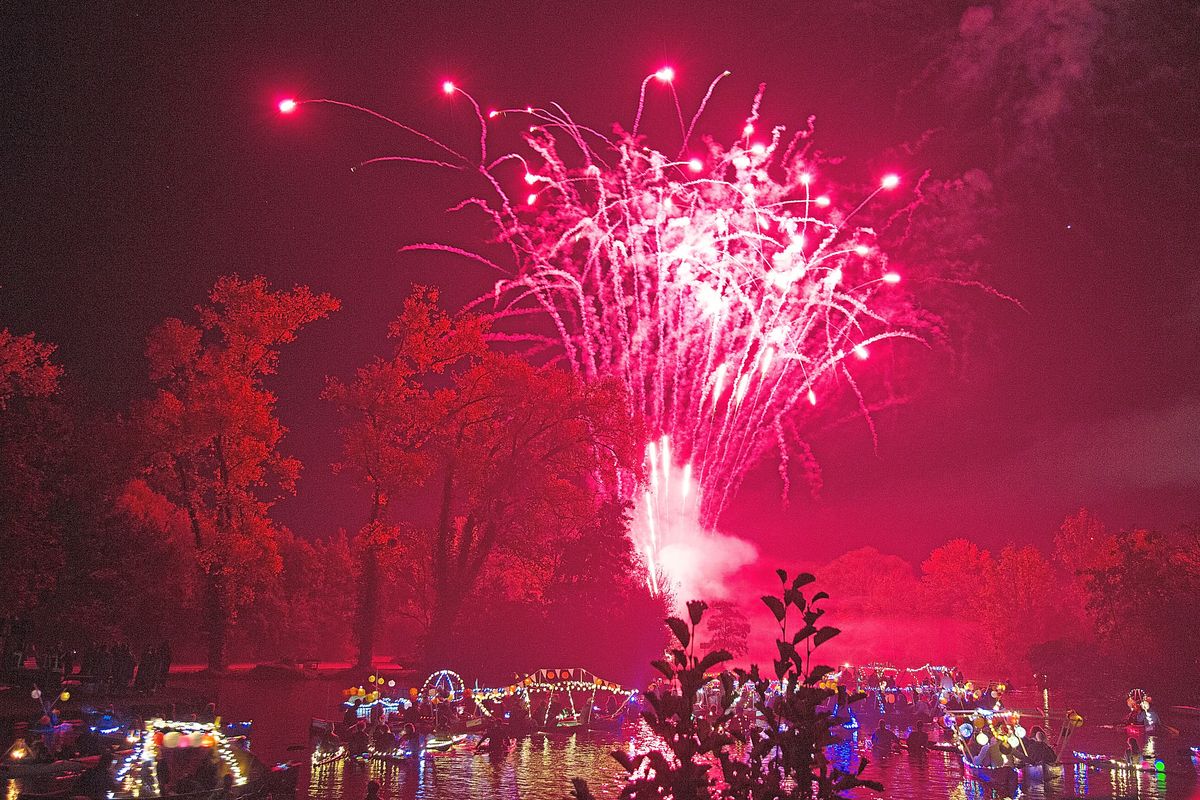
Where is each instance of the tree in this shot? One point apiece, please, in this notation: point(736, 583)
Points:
point(1083, 544)
point(510, 456)
point(382, 436)
point(32, 430)
point(1149, 600)
point(866, 581)
point(1021, 605)
point(955, 576)
point(210, 437)
point(729, 629)
point(25, 367)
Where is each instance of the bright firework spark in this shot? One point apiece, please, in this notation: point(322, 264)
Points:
point(726, 290)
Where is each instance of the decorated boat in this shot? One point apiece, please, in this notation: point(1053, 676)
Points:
point(138, 774)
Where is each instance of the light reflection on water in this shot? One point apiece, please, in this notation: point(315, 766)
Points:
point(540, 768)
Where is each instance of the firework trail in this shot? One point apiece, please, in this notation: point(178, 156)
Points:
point(725, 286)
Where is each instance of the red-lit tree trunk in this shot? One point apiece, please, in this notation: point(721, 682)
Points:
point(367, 612)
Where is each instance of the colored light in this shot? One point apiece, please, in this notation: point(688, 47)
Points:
point(862, 249)
point(861, 352)
point(806, 179)
point(448, 87)
point(695, 165)
point(891, 277)
point(287, 106)
point(666, 74)
point(890, 181)
point(531, 199)
point(749, 129)
point(822, 201)
point(530, 178)
point(812, 397)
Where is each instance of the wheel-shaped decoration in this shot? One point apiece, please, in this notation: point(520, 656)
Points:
point(444, 683)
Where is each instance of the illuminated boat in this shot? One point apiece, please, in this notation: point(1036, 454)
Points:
point(137, 773)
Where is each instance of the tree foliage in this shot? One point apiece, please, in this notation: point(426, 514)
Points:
point(210, 436)
point(511, 456)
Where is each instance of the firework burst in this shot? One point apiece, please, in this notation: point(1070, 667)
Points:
point(729, 287)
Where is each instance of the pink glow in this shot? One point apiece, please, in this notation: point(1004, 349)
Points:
point(287, 106)
point(448, 87)
point(891, 277)
point(823, 201)
point(666, 74)
point(890, 181)
point(531, 199)
point(695, 165)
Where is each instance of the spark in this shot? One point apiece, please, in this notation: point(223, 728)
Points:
point(666, 74)
point(890, 181)
point(448, 87)
point(287, 105)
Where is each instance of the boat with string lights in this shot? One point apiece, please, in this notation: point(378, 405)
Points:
point(178, 758)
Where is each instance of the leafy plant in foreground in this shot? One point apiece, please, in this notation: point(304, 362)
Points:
point(783, 758)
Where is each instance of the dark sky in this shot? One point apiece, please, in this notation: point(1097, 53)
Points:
point(143, 157)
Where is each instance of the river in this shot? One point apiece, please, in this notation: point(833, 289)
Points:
point(540, 768)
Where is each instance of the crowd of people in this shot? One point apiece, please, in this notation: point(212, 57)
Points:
point(106, 666)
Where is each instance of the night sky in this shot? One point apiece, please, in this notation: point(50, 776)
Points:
point(143, 157)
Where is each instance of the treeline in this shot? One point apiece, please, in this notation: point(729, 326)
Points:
point(1108, 605)
point(494, 531)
